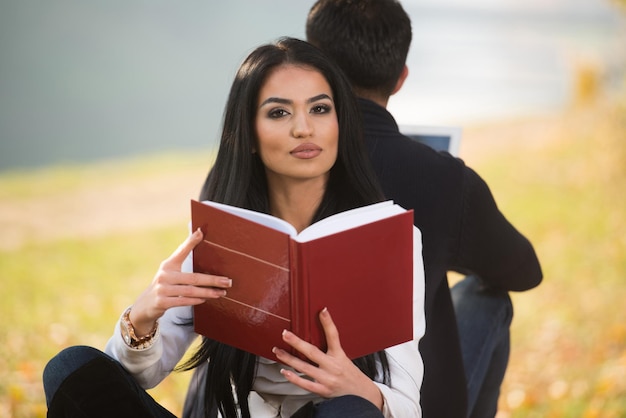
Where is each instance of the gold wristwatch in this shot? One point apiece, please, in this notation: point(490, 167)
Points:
point(128, 333)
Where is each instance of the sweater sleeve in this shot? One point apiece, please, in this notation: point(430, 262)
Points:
point(151, 365)
point(490, 246)
point(406, 369)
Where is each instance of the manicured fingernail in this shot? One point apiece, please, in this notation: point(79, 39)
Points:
point(227, 282)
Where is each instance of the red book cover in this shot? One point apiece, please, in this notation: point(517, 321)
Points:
point(358, 264)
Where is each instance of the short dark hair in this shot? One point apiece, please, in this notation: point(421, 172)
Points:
point(369, 39)
point(238, 176)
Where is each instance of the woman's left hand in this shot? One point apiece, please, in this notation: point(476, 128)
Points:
point(335, 374)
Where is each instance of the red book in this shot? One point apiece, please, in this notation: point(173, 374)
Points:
point(358, 264)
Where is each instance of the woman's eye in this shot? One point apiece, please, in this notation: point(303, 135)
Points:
point(320, 108)
point(277, 113)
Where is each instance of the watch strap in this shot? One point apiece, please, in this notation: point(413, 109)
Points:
point(129, 336)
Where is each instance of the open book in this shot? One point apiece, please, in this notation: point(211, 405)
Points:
point(358, 264)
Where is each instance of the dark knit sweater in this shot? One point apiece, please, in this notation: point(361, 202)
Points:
point(462, 230)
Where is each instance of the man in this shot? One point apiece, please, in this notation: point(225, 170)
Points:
point(466, 346)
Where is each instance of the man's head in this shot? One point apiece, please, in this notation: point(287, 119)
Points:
point(369, 39)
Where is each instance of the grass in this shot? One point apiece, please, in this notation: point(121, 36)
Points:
point(569, 334)
point(50, 181)
point(68, 291)
point(65, 293)
point(566, 193)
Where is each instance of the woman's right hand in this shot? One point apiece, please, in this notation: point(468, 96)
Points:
point(171, 287)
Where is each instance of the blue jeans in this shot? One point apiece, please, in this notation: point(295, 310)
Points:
point(484, 318)
point(340, 407)
point(82, 382)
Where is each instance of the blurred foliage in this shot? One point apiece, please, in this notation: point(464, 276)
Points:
point(566, 193)
point(70, 292)
point(621, 3)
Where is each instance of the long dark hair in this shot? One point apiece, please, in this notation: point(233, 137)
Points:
point(238, 178)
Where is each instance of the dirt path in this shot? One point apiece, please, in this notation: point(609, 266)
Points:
point(135, 203)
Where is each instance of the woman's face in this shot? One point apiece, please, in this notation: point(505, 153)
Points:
point(296, 125)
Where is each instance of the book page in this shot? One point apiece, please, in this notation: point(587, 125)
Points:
point(258, 217)
point(349, 219)
point(333, 224)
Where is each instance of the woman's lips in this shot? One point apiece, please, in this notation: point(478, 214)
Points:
point(306, 151)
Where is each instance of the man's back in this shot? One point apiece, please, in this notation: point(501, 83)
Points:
point(462, 230)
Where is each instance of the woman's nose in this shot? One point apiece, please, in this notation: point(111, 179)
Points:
point(301, 126)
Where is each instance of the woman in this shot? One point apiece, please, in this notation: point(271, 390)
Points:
point(291, 146)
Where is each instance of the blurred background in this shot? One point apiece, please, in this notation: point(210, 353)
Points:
point(109, 113)
point(83, 81)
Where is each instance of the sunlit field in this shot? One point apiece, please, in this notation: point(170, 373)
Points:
point(566, 192)
point(561, 179)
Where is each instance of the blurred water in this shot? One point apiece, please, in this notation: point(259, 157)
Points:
point(81, 81)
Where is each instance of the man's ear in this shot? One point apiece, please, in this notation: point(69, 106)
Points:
point(403, 75)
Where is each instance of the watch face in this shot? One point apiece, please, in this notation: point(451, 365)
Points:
point(125, 333)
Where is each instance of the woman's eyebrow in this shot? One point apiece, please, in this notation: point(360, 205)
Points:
point(280, 100)
point(319, 97)
point(275, 100)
